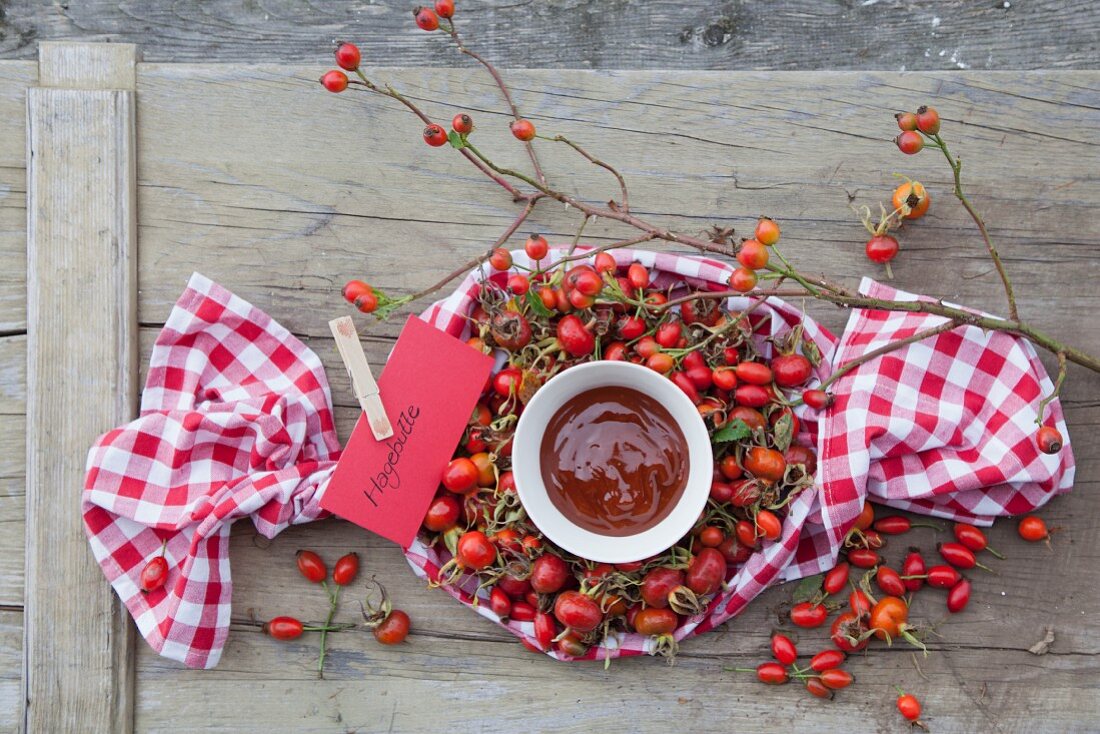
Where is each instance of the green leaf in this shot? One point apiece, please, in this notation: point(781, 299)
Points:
point(807, 588)
point(536, 304)
point(735, 430)
point(455, 139)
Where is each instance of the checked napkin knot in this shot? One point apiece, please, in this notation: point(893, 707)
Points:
point(236, 421)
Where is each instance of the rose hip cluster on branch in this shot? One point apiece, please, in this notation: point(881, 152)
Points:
point(388, 625)
point(759, 261)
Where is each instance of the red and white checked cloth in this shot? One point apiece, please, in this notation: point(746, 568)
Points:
point(236, 420)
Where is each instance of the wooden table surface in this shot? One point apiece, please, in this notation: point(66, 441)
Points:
point(253, 176)
point(625, 34)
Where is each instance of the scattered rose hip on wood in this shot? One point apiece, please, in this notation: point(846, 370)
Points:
point(311, 566)
point(882, 248)
point(1032, 529)
point(394, 628)
point(346, 569)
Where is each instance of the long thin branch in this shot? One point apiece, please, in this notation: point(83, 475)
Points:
point(602, 164)
point(478, 261)
point(504, 91)
point(659, 233)
point(815, 286)
point(1057, 387)
point(956, 169)
point(710, 295)
point(369, 86)
point(886, 349)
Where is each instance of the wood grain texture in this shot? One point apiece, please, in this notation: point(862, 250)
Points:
point(81, 370)
point(259, 198)
point(15, 77)
point(11, 683)
point(76, 65)
point(611, 34)
point(284, 194)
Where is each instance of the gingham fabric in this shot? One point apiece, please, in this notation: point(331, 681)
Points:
point(236, 420)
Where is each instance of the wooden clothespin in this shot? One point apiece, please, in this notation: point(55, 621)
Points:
point(362, 381)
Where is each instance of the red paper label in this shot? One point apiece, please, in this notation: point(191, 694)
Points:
point(429, 388)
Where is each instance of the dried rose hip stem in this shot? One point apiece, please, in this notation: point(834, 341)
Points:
point(956, 169)
point(817, 287)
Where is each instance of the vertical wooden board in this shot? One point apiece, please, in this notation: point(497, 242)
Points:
point(15, 77)
point(11, 651)
point(81, 363)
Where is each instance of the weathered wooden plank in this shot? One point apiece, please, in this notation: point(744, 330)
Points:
point(13, 374)
point(287, 231)
point(486, 685)
point(628, 34)
point(11, 654)
point(257, 200)
point(460, 655)
point(15, 77)
point(13, 523)
point(81, 372)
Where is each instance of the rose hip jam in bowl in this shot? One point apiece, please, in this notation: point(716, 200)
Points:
point(612, 461)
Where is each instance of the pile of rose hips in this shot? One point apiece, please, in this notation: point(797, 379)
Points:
point(389, 626)
point(860, 616)
point(546, 319)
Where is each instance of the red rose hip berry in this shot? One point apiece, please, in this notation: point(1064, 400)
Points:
point(462, 123)
point(347, 56)
point(445, 8)
point(1049, 440)
point(523, 130)
point(536, 247)
point(909, 142)
point(882, 248)
point(334, 81)
point(426, 19)
point(435, 135)
point(928, 120)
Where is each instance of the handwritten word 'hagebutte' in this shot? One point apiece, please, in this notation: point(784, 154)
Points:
point(389, 478)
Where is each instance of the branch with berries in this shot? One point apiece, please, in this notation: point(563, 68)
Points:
point(759, 258)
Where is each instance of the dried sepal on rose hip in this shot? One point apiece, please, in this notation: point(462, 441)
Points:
point(388, 625)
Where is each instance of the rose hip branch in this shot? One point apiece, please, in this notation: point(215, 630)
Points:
point(759, 259)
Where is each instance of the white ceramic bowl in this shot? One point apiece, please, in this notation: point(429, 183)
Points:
point(528, 472)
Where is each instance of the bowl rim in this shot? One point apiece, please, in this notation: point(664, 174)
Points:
point(528, 475)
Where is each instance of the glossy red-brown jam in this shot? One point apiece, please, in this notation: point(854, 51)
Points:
point(614, 461)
